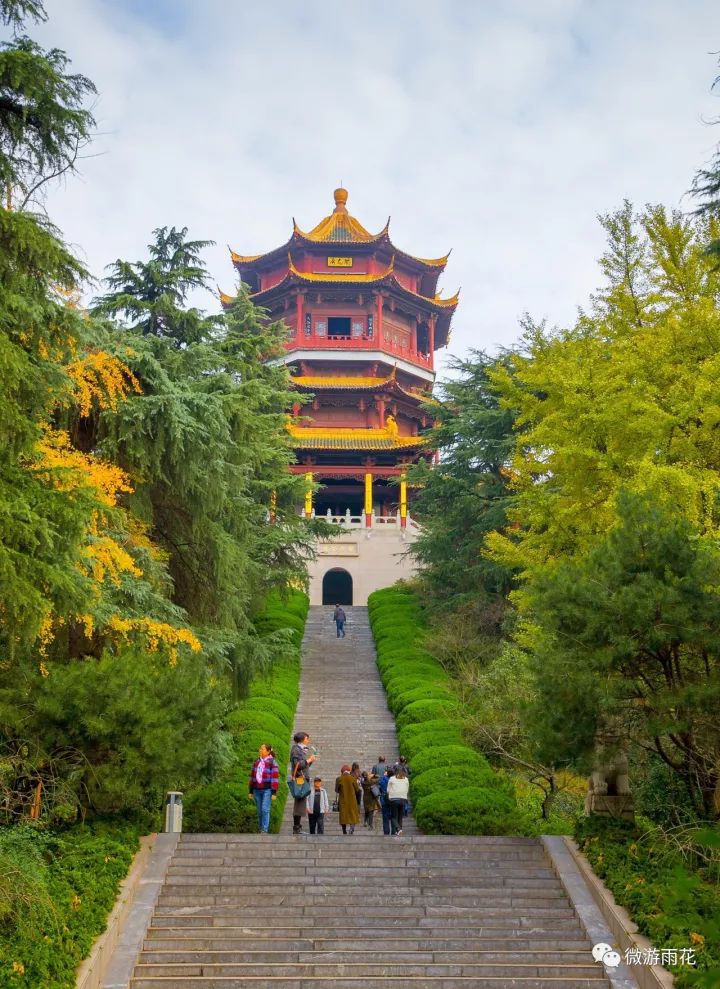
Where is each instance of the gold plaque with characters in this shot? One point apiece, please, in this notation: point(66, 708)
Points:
point(339, 262)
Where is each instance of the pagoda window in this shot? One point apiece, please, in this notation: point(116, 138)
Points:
point(320, 328)
point(339, 327)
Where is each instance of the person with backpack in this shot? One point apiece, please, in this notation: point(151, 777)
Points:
point(339, 618)
point(384, 801)
point(264, 781)
point(371, 803)
point(300, 762)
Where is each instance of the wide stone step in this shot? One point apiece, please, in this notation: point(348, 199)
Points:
point(369, 970)
point(476, 906)
point(382, 955)
point(199, 916)
point(249, 943)
point(360, 982)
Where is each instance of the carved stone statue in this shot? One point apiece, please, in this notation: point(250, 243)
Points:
point(609, 785)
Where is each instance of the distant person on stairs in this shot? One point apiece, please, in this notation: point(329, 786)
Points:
point(346, 787)
point(264, 781)
point(397, 792)
point(300, 762)
point(339, 618)
point(317, 806)
point(380, 767)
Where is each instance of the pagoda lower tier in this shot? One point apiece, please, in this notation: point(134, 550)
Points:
point(355, 429)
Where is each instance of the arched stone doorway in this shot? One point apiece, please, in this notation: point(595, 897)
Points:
point(337, 587)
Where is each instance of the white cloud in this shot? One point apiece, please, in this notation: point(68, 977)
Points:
point(499, 130)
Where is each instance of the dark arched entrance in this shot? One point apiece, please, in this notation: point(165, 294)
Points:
point(337, 587)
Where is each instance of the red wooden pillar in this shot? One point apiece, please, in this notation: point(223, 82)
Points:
point(299, 298)
point(379, 316)
point(431, 340)
point(380, 402)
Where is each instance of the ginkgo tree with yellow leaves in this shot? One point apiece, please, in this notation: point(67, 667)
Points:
point(614, 528)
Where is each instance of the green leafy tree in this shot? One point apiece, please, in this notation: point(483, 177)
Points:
point(635, 627)
point(208, 438)
point(44, 122)
point(465, 495)
point(623, 405)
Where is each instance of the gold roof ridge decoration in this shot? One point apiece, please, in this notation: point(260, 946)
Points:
point(340, 227)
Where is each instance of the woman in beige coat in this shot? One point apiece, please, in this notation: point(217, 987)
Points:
point(346, 787)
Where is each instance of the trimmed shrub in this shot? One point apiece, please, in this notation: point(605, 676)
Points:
point(425, 710)
point(220, 807)
point(445, 778)
point(397, 679)
point(429, 729)
point(276, 706)
point(471, 810)
point(447, 755)
point(415, 738)
point(399, 697)
point(254, 720)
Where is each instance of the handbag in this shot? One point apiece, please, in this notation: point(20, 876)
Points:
point(335, 805)
point(298, 786)
point(375, 790)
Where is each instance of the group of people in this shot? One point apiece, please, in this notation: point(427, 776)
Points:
point(383, 789)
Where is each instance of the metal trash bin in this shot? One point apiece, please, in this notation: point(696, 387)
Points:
point(173, 812)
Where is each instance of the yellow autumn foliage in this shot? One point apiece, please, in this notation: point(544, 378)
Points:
point(101, 379)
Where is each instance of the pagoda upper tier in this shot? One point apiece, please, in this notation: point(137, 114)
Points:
point(340, 287)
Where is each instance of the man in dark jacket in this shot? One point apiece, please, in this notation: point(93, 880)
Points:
point(384, 802)
point(339, 619)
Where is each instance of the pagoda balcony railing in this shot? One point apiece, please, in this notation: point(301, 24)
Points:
point(361, 343)
point(349, 521)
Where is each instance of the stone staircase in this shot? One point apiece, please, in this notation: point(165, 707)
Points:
point(239, 910)
point(342, 703)
point(365, 910)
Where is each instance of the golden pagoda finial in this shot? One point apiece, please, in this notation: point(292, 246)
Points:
point(341, 197)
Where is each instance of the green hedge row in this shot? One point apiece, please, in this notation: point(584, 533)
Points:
point(265, 715)
point(454, 789)
point(56, 891)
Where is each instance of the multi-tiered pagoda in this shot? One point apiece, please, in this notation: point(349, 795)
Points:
point(364, 321)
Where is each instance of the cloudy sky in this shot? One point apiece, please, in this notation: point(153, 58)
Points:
point(498, 129)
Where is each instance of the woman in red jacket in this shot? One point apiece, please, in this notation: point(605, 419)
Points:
point(264, 781)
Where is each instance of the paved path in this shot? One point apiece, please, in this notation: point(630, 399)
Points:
point(342, 703)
